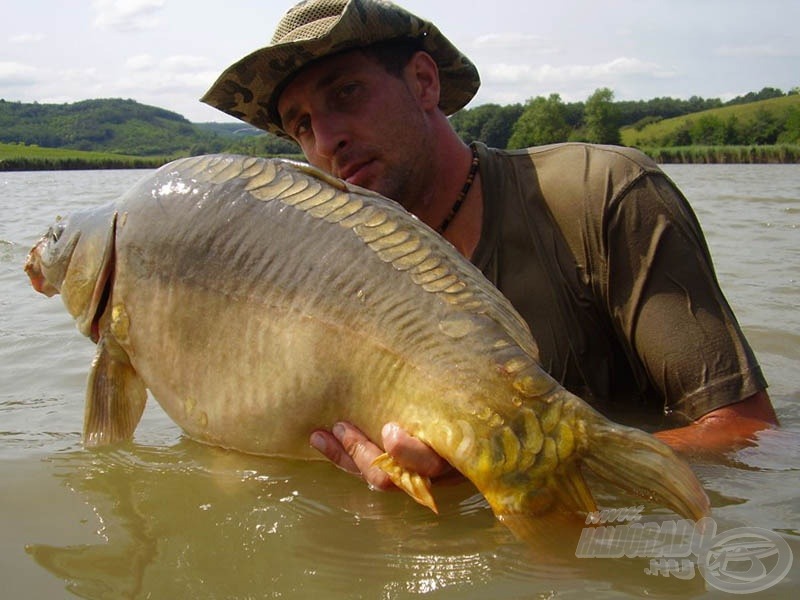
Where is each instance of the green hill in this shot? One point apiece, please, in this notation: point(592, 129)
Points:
point(124, 132)
point(108, 125)
point(773, 121)
point(127, 127)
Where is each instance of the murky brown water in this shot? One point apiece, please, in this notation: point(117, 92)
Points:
point(164, 517)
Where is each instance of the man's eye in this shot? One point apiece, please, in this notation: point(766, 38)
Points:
point(348, 90)
point(302, 127)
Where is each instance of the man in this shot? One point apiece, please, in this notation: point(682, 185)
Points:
point(593, 245)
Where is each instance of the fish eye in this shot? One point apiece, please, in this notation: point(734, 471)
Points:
point(54, 233)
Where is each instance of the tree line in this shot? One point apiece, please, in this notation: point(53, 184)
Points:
point(128, 127)
point(546, 120)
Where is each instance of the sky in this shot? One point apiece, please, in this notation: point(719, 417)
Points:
point(167, 53)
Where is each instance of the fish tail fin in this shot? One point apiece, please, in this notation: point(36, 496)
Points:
point(550, 509)
point(643, 465)
point(115, 397)
point(413, 484)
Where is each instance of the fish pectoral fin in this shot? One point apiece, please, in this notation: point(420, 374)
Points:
point(115, 397)
point(413, 484)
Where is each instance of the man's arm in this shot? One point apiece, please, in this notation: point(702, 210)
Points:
point(721, 430)
point(725, 428)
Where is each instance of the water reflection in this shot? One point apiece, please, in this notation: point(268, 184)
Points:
point(193, 521)
point(190, 520)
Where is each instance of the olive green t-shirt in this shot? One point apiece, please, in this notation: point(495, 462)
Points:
point(605, 260)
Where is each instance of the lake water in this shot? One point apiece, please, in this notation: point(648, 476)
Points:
point(163, 517)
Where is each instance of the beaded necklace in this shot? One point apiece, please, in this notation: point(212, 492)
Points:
point(473, 170)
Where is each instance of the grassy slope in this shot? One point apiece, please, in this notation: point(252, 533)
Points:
point(32, 152)
point(650, 134)
point(19, 157)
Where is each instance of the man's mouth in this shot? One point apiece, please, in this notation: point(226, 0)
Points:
point(355, 173)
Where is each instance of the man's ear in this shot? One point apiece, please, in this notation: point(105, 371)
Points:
point(422, 77)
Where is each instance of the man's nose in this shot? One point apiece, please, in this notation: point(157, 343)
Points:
point(331, 136)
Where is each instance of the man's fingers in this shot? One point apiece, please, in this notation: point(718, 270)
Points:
point(363, 452)
point(348, 447)
point(411, 453)
point(327, 445)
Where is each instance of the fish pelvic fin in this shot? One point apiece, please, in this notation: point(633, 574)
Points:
point(644, 466)
point(542, 512)
point(571, 491)
point(413, 484)
point(115, 397)
point(552, 536)
point(547, 516)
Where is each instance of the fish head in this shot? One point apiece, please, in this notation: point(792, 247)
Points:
point(75, 258)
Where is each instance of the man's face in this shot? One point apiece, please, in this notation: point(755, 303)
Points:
point(358, 122)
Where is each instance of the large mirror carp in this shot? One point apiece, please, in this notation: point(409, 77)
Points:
point(260, 299)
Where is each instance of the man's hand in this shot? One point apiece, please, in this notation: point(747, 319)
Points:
point(724, 429)
point(348, 448)
point(727, 428)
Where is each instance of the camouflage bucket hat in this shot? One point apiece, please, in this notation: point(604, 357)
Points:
point(249, 89)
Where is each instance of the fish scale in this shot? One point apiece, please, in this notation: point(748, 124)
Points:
point(261, 299)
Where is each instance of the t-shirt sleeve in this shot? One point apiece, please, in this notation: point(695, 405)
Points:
point(665, 301)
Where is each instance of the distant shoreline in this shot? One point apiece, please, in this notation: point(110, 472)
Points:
point(726, 155)
point(22, 157)
point(58, 159)
point(76, 164)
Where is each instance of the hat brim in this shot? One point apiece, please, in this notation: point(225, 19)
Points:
point(249, 89)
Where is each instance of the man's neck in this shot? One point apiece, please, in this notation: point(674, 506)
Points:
point(463, 228)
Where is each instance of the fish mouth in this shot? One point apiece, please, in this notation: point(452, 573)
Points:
point(33, 268)
point(100, 296)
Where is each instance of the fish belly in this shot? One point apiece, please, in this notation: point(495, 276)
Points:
point(253, 323)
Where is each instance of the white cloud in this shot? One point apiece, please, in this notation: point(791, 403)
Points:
point(177, 75)
point(26, 38)
point(173, 73)
point(45, 85)
point(755, 51)
point(549, 74)
point(507, 83)
point(178, 63)
point(83, 76)
point(157, 82)
point(183, 62)
point(140, 62)
point(13, 74)
point(127, 15)
point(513, 41)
